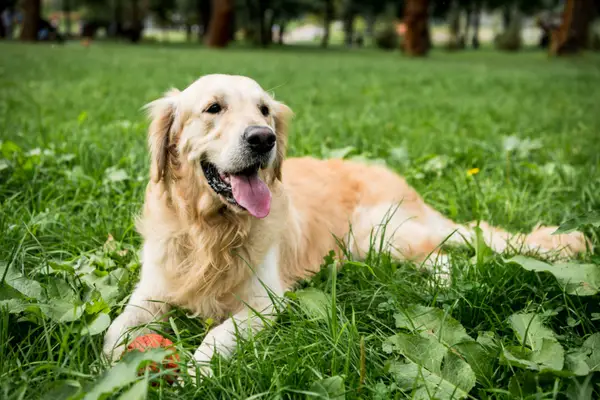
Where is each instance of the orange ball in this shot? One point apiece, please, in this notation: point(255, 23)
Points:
point(153, 341)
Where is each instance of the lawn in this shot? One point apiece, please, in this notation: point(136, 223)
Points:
point(511, 139)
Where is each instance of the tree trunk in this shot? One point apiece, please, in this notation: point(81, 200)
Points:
point(136, 22)
point(31, 20)
point(416, 19)
point(328, 17)
point(67, 14)
point(219, 28)
point(266, 16)
point(3, 29)
point(465, 37)
point(574, 31)
point(203, 10)
point(117, 23)
point(454, 26)
point(371, 20)
point(348, 23)
point(281, 32)
point(506, 17)
point(188, 32)
point(476, 23)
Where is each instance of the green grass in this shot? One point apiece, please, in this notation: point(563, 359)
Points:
point(73, 168)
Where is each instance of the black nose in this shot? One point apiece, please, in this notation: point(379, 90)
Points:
point(260, 139)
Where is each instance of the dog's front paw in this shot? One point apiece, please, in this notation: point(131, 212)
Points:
point(112, 348)
point(197, 372)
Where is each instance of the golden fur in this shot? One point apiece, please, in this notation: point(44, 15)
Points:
point(202, 253)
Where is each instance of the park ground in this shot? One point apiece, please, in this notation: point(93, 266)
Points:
point(508, 138)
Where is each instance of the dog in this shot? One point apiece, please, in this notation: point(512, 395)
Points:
point(228, 224)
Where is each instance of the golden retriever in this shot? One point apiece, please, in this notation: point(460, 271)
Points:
point(228, 225)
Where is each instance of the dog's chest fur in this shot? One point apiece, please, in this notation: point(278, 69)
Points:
point(206, 261)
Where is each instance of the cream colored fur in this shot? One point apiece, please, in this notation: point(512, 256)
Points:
point(219, 262)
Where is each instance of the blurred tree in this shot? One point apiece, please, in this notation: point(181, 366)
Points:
point(6, 5)
point(328, 15)
point(31, 20)
point(476, 21)
point(163, 10)
point(349, 9)
point(259, 17)
point(455, 39)
point(204, 13)
point(67, 8)
point(416, 18)
point(221, 23)
point(573, 34)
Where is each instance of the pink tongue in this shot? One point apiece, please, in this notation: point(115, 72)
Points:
point(252, 194)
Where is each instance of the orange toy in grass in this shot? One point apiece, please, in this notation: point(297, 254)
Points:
point(153, 341)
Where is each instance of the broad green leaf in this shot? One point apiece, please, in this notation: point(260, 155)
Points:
point(365, 159)
point(98, 325)
point(430, 321)
point(115, 175)
point(16, 280)
point(138, 391)
point(576, 362)
point(62, 266)
point(479, 358)
point(576, 279)
point(430, 369)
point(400, 155)
point(488, 341)
point(581, 389)
point(518, 357)
point(592, 345)
point(574, 224)
point(425, 351)
point(328, 388)
point(523, 384)
point(434, 322)
point(550, 357)
point(14, 306)
point(60, 310)
point(314, 302)
point(67, 389)
point(530, 330)
point(9, 148)
point(543, 352)
point(339, 153)
point(482, 251)
point(124, 372)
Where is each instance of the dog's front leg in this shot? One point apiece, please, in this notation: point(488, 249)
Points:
point(264, 289)
point(147, 302)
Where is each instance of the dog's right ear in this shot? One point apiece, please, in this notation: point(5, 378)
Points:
point(163, 113)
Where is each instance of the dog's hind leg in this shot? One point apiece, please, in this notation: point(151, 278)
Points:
point(540, 240)
point(418, 236)
point(394, 229)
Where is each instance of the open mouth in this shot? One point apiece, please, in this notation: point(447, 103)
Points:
point(243, 189)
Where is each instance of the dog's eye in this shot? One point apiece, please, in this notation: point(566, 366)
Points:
point(264, 110)
point(214, 108)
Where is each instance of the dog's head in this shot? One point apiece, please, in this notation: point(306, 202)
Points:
point(229, 131)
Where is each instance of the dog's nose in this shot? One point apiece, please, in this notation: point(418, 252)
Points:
point(260, 139)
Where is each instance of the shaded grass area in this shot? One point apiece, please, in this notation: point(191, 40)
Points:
point(73, 168)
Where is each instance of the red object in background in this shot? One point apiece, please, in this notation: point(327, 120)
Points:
point(153, 341)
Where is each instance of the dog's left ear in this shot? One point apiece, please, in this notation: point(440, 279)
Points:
point(162, 113)
point(282, 116)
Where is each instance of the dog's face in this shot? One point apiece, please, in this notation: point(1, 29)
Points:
point(230, 131)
